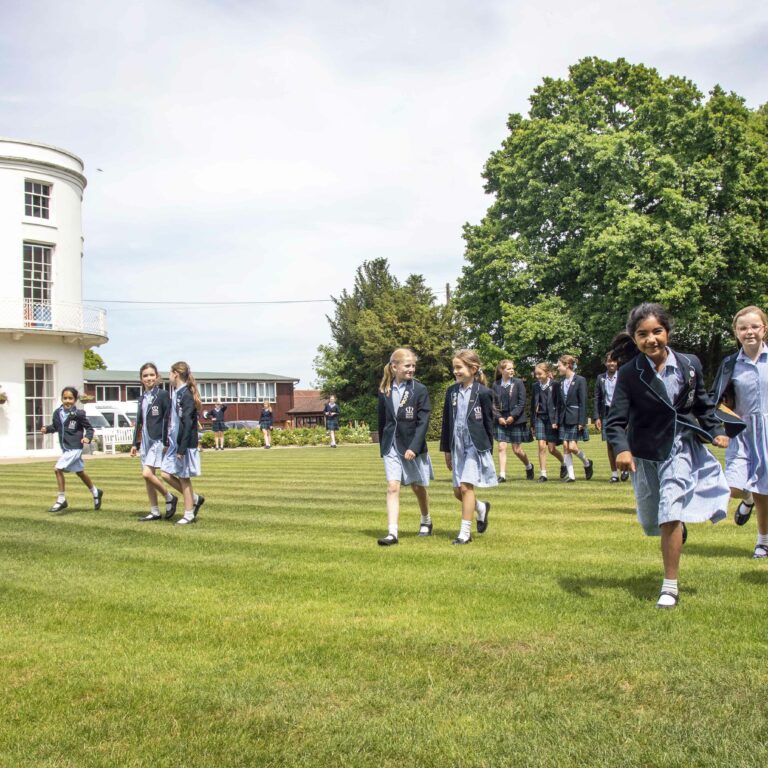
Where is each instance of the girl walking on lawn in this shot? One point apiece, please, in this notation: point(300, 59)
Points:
point(659, 416)
point(511, 423)
point(150, 439)
point(546, 394)
point(572, 416)
point(403, 416)
point(182, 459)
point(742, 384)
point(265, 424)
point(217, 417)
point(467, 440)
point(331, 414)
point(74, 431)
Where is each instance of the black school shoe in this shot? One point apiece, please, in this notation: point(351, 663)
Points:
point(529, 474)
point(563, 471)
point(614, 479)
point(624, 476)
point(501, 479)
point(58, 506)
point(589, 469)
point(743, 513)
point(170, 507)
point(425, 529)
point(482, 525)
point(97, 499)
point(567, 479)
point(387, 541)
point(199, 503)
point(150, 518)
point(457, 540)
point(543, 479)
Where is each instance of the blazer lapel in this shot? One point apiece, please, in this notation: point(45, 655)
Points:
point(689, 382)
point(651, 380)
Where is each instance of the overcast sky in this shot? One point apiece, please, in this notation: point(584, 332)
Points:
point(257, 150)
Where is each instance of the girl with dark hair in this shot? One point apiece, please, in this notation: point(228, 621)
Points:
point(572, 417)
point(659, 417)
point(467, 440)
point(182, 459)
point(150, 439)
point(510, 421)
point(74, 432)
point(742, 383)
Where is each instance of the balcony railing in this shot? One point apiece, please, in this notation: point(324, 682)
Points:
point(56, 316)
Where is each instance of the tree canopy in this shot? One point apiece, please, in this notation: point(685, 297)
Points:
point(619, 187)
point(93, 361)
point(377, 316)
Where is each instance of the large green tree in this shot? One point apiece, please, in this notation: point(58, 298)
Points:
point(619, 187)
point(378, 315)
point(93, 361)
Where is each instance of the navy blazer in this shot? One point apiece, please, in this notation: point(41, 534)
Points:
point(408, 427)
point(479, 417)
point(71, 430)
point(217, 416)
point(510, 401)
point(157, 416)
point(643, 421)
point(544, 402)
point(572, 410)
point(266, 419)
point(184, 403)
point(723, 392)
point(601, 409)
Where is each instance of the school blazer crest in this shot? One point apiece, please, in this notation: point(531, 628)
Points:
point(480, 429)
point(642, 419)
point(408, 427)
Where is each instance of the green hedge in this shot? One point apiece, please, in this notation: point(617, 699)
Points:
point(251, 438)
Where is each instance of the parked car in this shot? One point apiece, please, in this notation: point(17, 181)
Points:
point(117, 414)
point(241, 424)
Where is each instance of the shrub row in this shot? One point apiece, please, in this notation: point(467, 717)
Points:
point(251, 438)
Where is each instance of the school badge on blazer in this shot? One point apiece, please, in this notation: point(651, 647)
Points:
point(478, 411)
point(409, 412)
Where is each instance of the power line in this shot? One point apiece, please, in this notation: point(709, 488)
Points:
point(206, 303)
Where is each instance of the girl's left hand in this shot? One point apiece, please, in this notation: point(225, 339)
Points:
point(180, 456)
point(448, 462)
point(85, 441)
point(721, 441)
point(409, 455)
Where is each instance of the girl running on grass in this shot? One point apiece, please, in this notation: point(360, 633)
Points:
point(75, 431)
point(511, 423)
point(403, 415)
point(572, 416)
point(265, 424)
point(150, 439)
point(659, 415)
point(467, 440)
point(544, 413)
point(182, 459)
point(742, 383)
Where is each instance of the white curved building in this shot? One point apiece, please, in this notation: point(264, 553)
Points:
point(44, 326)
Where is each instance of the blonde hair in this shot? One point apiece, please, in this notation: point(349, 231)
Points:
point(546, 367)
point(184, 372)
point(568, 360)
point(400, 354)
point(502, 364)
point(748, 311)
point(471, 359)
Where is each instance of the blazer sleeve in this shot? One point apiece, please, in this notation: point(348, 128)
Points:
point(55, 424)
point(86, 425)
point(187, 423)
point(618, 418)
point(704, 405)
point(139, 424)
point(496, 403)
point(423, 411)
point(447, 428)
point(381, 413)
point(486, 402)
point(164, 400)
point(582, 395)
point(599, 399)
point(519, 407)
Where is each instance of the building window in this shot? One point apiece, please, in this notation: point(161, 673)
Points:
point(107, 392)
point(38, 403)
point(37, 200)
point(267, 391)
point(37, 285)
point(132, 393)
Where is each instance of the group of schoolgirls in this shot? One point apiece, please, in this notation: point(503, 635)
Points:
point(165, 438)
point(216, 415)
point(559, 413)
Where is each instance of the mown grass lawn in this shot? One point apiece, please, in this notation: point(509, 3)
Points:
point(277, 633)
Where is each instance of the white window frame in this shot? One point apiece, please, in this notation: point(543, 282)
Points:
point(101, 392)
point(39, 406)
point(38, 199)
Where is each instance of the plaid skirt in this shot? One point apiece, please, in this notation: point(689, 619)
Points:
point(574, 433)
point(513, 433)
point(544, 431)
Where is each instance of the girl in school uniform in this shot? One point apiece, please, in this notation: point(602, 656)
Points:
point(604, 389)
point(265, 424)
point(546, 393)
point(403, 417)
point(182, 458)
point(217, 417)
point(510, 421)
point(572, 417)
point(74, 431)
point(331, 414)
point(742, 383)
point(659, 416)
point(467, 440)
point(150, 439)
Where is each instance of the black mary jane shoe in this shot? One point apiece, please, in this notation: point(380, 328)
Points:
point(170, 507)
point(425, 529)
point(457, 540)
point(58, 506)
point(482, 525)
point(150, 518)
point(743, 513)
point(387, 541)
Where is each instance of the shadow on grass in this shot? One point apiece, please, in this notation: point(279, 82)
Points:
point(641, 587)
point(755, 577)
point(620, 510)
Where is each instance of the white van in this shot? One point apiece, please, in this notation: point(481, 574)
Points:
point(116, 412)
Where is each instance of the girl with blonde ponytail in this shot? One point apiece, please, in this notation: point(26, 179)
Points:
point(182, 459)
point(403, 415)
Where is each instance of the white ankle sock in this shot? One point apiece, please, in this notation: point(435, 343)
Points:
point(749, 499)
point(480, 508)
point(94, 491)
point(669, 585)
point(762, 539)
point(568, 461)
point(543, 473)
point(61, 498)
point(529, 466)
point(393, 530)
point(426, 519)
point(189, 514)
point(615, 473)
point(154, 510)
point(169, 496)
point(466, 530)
